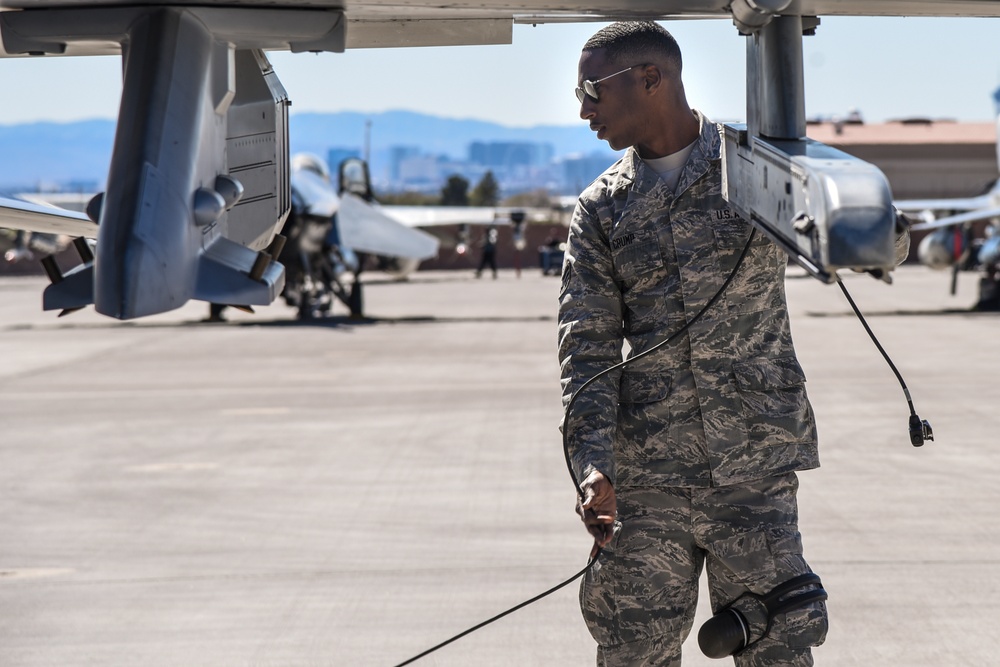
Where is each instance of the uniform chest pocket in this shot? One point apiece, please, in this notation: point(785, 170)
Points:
point(636, 253)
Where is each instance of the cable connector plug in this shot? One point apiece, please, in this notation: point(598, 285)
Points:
point(920, 431)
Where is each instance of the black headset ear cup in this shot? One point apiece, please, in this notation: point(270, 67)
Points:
point(728, 632)
point(724, 634)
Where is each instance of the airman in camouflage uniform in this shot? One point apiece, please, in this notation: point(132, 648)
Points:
point(688, 456)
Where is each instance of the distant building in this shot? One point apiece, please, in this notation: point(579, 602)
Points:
point(517, 165)
point(508, 155)
point(419, 172)
point(921, 158)
point(579, 171)
point(397, 155)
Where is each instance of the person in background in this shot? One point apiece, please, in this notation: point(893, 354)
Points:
point(489, 256)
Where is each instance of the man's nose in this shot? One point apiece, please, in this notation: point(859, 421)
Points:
point(587, 110)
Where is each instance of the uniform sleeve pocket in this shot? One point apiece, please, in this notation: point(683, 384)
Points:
point(775, 405)
point(638, 388)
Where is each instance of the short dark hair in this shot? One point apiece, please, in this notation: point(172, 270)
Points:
point(636, 42)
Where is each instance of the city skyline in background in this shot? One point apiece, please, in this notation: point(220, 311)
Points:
point(410, 152)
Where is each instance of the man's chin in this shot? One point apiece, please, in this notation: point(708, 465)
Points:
point(614, 144)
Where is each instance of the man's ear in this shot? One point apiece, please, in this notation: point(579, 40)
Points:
point(652, 78)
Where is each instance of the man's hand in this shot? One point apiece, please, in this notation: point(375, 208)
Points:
point(598, 509)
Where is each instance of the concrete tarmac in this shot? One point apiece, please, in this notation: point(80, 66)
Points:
point(258, 492)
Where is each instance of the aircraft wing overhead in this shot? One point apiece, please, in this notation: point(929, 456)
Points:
point(71, 29)
point(364, 228)
point(400, 11)
point(16, 214)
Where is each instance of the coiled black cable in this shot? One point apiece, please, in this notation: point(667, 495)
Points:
point(569, 464)
point(919, 431)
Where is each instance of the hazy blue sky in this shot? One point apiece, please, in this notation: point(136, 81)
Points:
point(886, 68)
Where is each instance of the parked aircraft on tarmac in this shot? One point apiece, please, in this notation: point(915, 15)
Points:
point(332, 230)
point(332, 238)
point(199, 182)
point(953, 243)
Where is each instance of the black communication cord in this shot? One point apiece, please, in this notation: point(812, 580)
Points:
point(569, 465)
point(502, 614)
point(919, 431)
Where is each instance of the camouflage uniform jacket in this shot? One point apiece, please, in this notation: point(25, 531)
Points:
point(726, 402)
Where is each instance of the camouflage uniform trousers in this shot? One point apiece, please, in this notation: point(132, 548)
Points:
point(639, 599)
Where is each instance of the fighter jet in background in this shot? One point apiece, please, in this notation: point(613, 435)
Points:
point(332, 231)
point(954, 243)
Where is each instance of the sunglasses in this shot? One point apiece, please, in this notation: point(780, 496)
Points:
point(589, 88)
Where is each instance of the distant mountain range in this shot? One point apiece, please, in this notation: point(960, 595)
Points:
point(45, 152)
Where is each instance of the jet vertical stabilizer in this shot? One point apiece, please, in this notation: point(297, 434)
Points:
point(148, 237)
